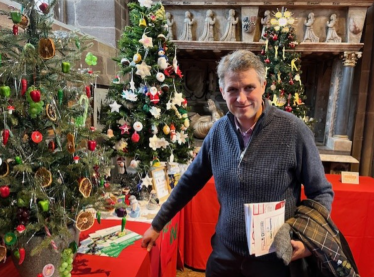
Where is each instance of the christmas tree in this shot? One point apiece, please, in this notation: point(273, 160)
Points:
point(51, 167)
point(283, 66)
point(146, 115)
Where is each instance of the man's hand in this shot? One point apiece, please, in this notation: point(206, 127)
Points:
point(299, 250)
point(149, 238)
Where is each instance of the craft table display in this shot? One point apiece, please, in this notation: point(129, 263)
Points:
point(352, 212)
point(133, 261)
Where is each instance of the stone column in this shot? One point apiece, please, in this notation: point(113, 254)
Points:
point(340, 141)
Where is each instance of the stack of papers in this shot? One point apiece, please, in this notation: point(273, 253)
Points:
point(108, 242)
point(263, 221)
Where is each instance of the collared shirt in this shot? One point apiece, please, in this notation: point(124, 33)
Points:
point(245, 135)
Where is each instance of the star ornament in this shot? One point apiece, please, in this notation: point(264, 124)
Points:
point(143, 70)
point(114, 107)
point(125, 129)
point(153, 142)
point(146, 41)
point(147, 181)
point(162, 143)
point(178, 99)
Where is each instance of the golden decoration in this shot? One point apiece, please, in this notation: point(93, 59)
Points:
point(4, 169)
point(85, 220)
point(46, 48)
point(85, 187)
point(44, 177)
point(70, 143)
point(50, 110)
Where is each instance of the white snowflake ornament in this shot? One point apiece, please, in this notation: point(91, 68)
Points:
point(153, 142)
point(147, 181)
point(156, 112)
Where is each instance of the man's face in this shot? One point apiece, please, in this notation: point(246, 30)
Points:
point(243, 92)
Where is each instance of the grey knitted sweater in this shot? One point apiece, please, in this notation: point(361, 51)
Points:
point(279, 158)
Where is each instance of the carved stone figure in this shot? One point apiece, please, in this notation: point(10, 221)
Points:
point(169, 24)
point(202, 124)
point(310, 36)
point(230, 33)
point(208, 33)
point(265, 21)
point(332, 36)
point(187, 27)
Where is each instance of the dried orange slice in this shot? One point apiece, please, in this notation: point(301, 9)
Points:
point(4, 169)
point(2, 252)
point(50, 110)
point(70, 143)
point(85, 220)
point(44, 177)
point(85, 187)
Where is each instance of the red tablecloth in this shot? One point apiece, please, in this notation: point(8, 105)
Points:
point(133, 261)
point(351, 212)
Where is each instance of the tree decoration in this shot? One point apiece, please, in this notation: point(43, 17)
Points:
point(90, 59)
point(41, 191)
point(46, 48)
point(283, 66)
point(143, 70)
point(114, 107)
point(146, 41)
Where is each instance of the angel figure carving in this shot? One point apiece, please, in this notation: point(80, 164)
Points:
point(208, 33)
point(187, 27)
point(332, 36)
point(202, 124)
point(169, 25)
point(230, 33)
point(310, 36)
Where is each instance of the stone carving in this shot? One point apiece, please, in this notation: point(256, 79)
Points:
point(230, 33)
point(265, 21)
point(310, 36)
point(353, 28)
point(202, 124)
point(249, 24)
point(332, 36)
point(169, 26)
point(187, 27)
point(208, 33)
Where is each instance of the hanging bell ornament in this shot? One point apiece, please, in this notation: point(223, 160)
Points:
point(110, 133)
point(142, 22)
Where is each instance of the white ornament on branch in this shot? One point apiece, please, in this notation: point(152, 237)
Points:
point(114, 107)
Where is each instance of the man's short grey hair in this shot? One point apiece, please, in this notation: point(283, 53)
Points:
point(240, 60)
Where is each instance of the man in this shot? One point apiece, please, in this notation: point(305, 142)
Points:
point(256, 153)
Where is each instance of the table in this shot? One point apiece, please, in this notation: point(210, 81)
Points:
point(351, 212)
point(133, 261)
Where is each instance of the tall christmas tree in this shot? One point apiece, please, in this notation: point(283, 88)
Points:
point(51, 167)
point(146, 115)
point(283, 66)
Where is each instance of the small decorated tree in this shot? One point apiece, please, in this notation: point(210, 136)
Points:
point(146, 113)
point(283, 66)
point(51, 167)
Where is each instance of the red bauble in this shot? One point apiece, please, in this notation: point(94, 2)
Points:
point(263, 52)
point(265, 35)
point(275, 37)
point(35, 95)
point(44, 8)
point(91, 144)
point(40, 275)
point(23, 86)
point(15, 30)
point(5, 136)
point(4, 191)
point(288, 108)
point(135, 137)
point(290, 82)
point(267, 61)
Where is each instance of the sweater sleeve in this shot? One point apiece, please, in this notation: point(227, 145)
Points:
point(310, 169)
point(191, 182)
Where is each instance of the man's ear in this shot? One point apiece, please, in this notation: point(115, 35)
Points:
point(264, 87)
point(223, 94)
